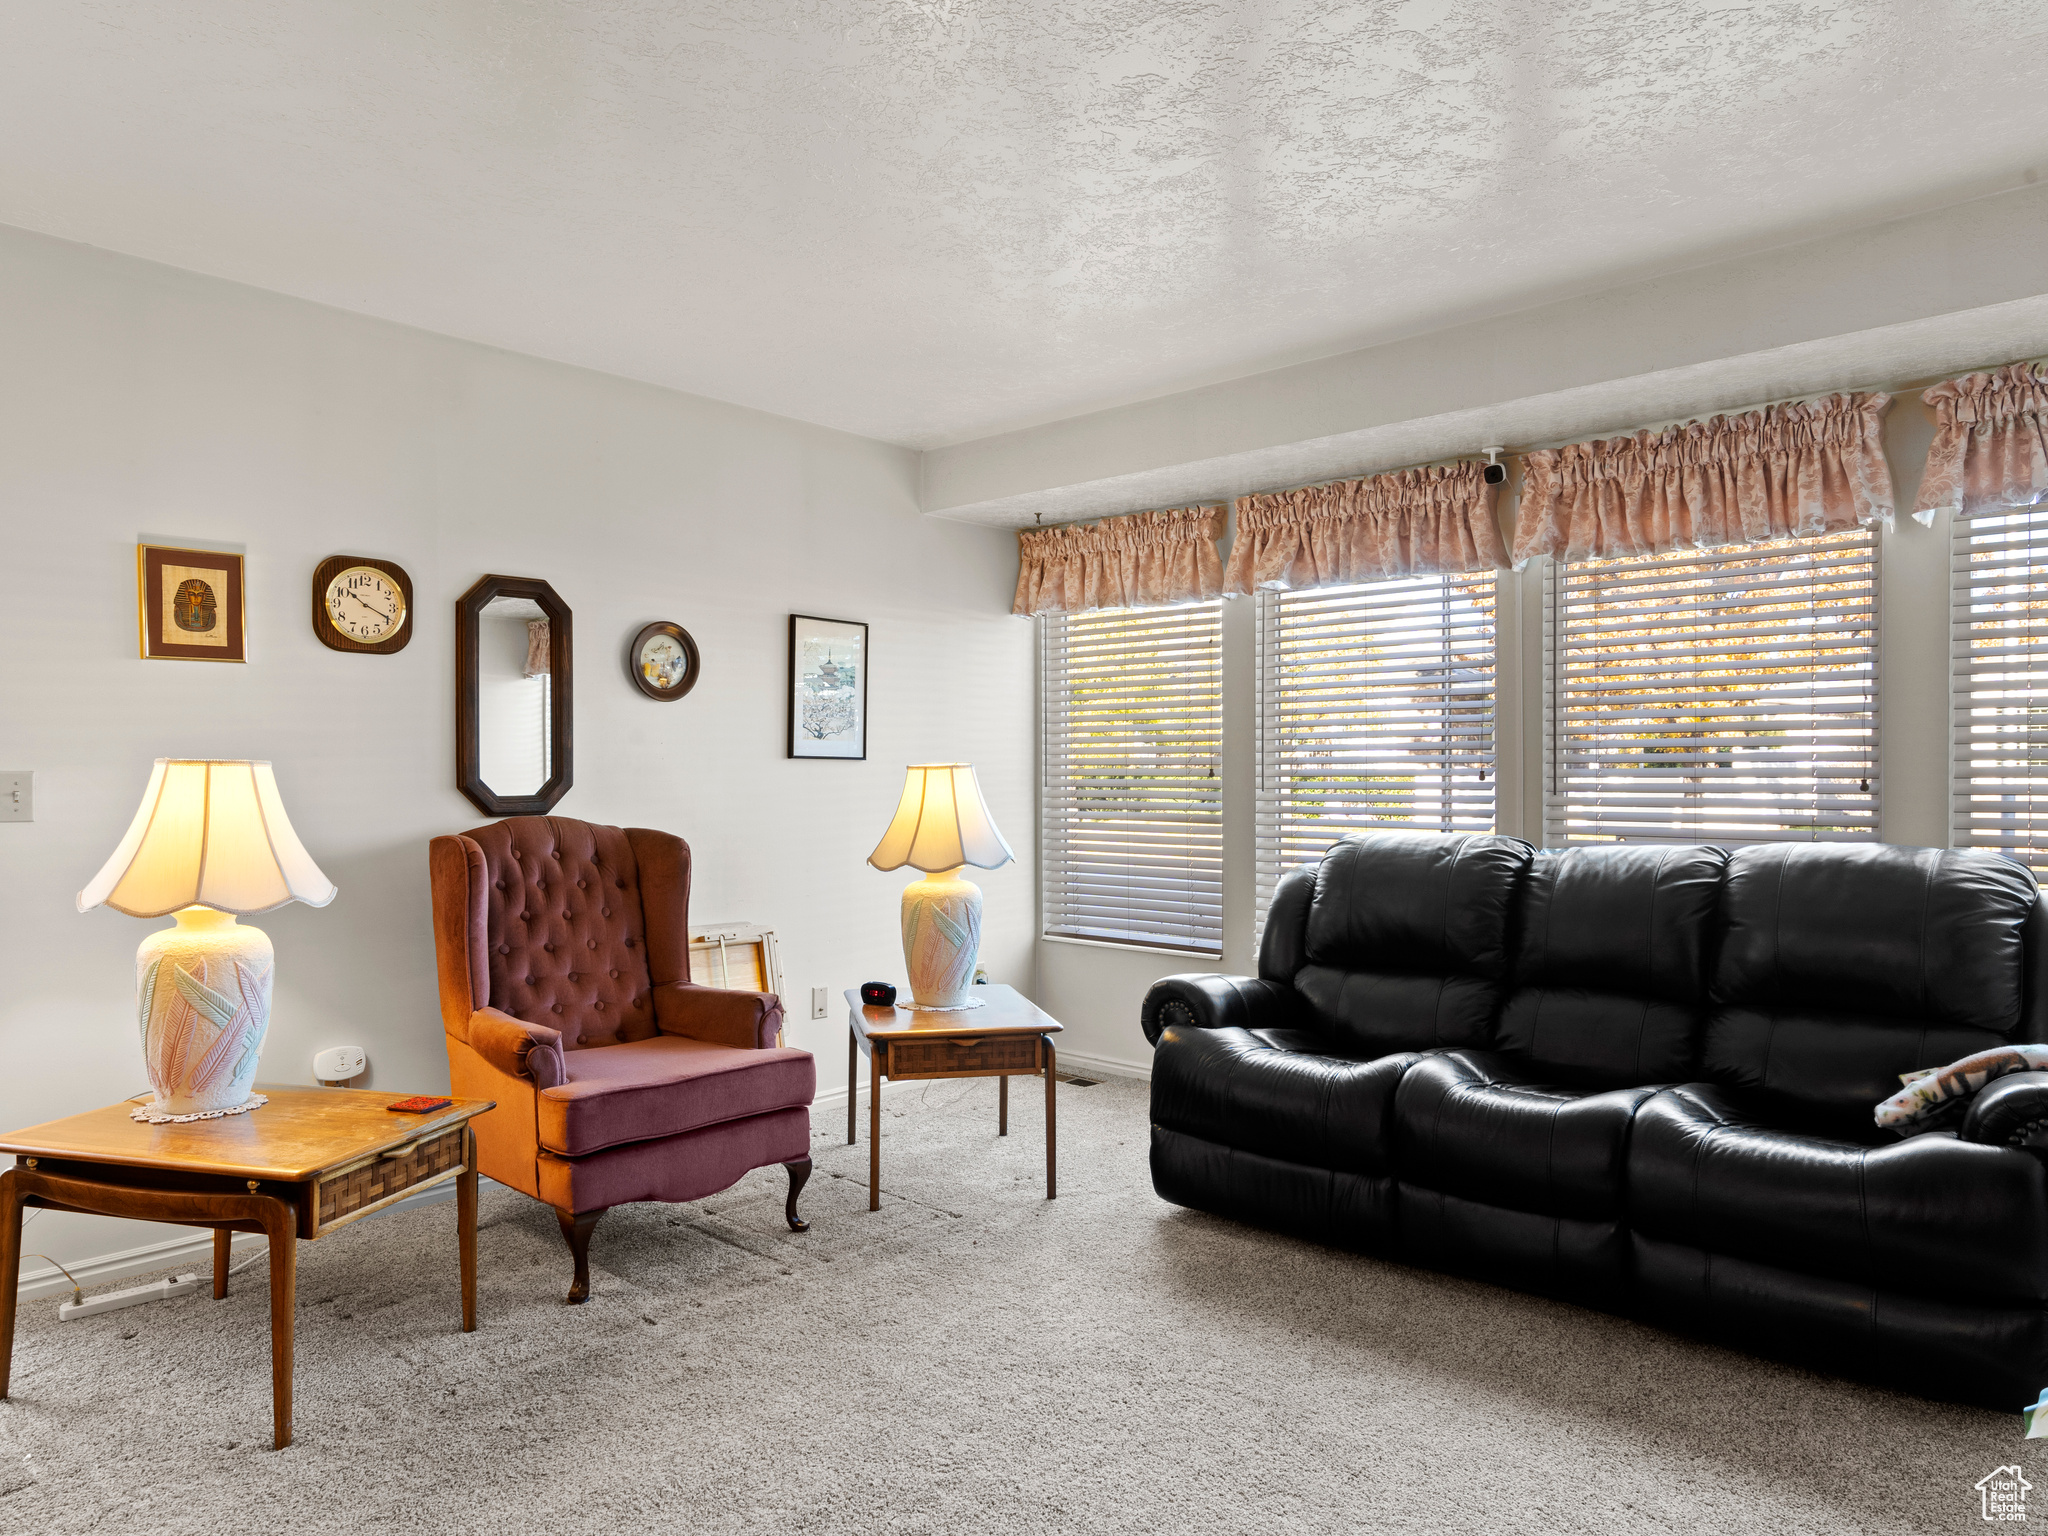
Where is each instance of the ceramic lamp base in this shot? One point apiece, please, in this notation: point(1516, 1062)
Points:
point(202, 999)
point(941, 937)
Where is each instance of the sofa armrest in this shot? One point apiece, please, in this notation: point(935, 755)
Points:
point(749, 1020)
point(520, 1049)
point(2010, 1112)
point(1219, 1002)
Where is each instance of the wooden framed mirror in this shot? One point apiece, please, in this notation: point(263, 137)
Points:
point(514, 676)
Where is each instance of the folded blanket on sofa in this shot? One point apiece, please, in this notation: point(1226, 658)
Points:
point(1938, 1096)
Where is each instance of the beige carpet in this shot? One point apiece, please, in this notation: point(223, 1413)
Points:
point(970, 1359)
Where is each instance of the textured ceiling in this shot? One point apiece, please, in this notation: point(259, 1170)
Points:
point(929, 220)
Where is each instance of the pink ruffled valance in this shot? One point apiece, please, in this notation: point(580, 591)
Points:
point(1135, 561)
point(1409, 523)
point(1796, 470)
point(1990, 443)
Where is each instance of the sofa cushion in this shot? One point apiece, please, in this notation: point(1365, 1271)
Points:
point(1842, 966)
point(1610, 964)
point(1477, 1125)
point(1407, 939)
point(660, 1087)
point(1277, 1092)
point(1932, 1216)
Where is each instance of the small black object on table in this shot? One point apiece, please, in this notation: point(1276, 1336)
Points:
point(1008, 1035)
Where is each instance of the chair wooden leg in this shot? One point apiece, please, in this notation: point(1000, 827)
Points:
point(223, 1246)
point(576, 1232)
point(799, 1175)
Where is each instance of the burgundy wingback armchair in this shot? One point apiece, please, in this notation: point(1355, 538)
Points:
point(564, 957)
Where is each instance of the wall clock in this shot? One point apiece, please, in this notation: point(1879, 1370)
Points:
point(362, 605)
point(663, 661)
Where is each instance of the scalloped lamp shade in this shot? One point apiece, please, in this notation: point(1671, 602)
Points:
point(209, 841)
point(941, 825)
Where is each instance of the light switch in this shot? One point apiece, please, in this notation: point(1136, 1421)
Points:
point(17, 795)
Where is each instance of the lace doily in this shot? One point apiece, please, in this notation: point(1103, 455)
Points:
point(150, 1116)
point(972, 1002)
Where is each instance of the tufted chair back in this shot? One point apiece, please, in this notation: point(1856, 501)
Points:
point(577, 923)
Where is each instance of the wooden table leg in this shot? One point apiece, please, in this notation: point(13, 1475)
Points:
point(223, 1245)
point(465, 1227)
point(280, 1225)
point(852, 1081)
point(1003, 1105)
point(10, 1271)
point(1052, 1188)
point(875, 1130)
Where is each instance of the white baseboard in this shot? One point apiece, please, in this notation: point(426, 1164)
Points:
point(832, 1101)
point(1104, 1066)
point(109, 1267)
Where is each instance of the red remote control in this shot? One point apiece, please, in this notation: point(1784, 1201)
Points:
point(419, 1104)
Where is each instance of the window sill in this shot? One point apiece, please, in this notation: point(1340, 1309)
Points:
point(1131, 948)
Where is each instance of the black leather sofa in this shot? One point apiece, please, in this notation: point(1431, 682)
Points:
point(1641, 1078)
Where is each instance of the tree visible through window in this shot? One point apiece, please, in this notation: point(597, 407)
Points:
point(1720, 697)
point(1376, 708)
point(1999, 618)
point(1132, 821)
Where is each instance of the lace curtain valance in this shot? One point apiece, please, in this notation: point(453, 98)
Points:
point(1990, 443)
point(1409, 523)
point(1120, 562)
point(1796, 470)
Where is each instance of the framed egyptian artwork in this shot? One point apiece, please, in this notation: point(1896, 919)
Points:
point(189, 604)
point(828, 687)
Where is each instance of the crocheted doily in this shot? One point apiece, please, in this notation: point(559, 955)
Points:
point(154, 1117)
point(972, 1002)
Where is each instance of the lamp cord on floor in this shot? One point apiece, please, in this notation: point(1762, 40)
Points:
point(77, 1295)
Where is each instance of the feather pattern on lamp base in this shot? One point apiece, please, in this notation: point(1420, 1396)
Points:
point(202, 1001)
point(941, 937)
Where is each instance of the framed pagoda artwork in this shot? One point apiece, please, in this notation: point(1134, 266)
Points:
point(828, 687)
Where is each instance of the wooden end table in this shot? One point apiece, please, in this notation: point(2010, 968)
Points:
point(308, 1162)
point(1010, 1035)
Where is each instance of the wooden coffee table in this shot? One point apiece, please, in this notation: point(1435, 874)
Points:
point(1008, 1036)
point(308, 1162)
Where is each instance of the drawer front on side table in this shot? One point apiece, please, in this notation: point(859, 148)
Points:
point(998, 1053)
point(355, 1190)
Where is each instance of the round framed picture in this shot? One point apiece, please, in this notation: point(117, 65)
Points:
point(663, 661)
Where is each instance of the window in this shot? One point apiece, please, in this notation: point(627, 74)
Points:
point(1726, 697)
point(1375, 709)
point(1133, 813)
point(1999, 651)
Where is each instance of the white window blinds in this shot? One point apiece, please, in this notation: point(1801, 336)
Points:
point(1999, 652)
point(1375, 709)
point(1727, 697)
point(1133, 811)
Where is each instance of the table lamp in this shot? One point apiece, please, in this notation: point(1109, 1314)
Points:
point(941, 826)
point(209, 842)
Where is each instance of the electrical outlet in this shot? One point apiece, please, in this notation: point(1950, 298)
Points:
point(339, 1063)
point(17, 795)
point(819, 1003)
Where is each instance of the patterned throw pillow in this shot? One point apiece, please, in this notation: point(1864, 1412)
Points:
point(1935, 1097)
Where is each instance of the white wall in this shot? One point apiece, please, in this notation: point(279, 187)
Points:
point(140, 401)
point(1889, 301)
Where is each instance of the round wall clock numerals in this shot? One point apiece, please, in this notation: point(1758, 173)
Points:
point(362, 605)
